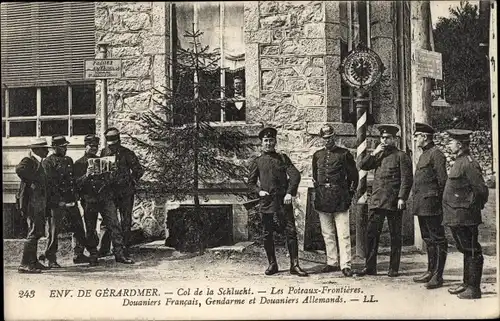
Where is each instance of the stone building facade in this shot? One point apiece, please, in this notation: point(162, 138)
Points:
point(288, 53)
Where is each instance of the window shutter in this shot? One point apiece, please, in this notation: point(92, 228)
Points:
point(46, 43)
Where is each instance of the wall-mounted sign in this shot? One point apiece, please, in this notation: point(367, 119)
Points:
point(429, 64)
point(103, 68)
point(362, 68)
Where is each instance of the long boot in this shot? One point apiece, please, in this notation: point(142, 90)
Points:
point(473, 290)
point(271, 257)
point(431, 265)
point(462, 287)
point(293, 250)
point(437, 278)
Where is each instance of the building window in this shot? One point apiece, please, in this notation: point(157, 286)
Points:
point(355, 22)
point(50, 110)
point(222, 27)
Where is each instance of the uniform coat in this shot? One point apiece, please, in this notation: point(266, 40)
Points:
point(465, 193)
point(277, 176)
point(429, 180)
point(393, 178)
point(128, 171)
point(335, 175)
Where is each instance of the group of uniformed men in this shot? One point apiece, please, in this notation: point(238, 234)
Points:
point(455, 199)
point(52, 185)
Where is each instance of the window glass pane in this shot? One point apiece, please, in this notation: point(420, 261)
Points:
point(234, 43)
point(235, 92)
point(3, 129)
point(22, 102)
point(83, 99)
point(24, 128)
point(54, 127)
point(209, 24)
point(55, 100)
point(3, 102)
point(83, 126)
point(184, 13)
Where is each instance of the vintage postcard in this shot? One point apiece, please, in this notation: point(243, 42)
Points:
point(231, 160)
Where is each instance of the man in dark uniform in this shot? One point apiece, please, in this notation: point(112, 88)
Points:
point(32, 201)
point(97, 197)
point(128, 173)
point(464, 196)
point(392, 183)
point(335, 180)
point(428, 185)
point(62, 197)
point(279, 180)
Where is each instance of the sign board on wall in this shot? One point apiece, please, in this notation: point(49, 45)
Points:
point(429, 64)
point(103, 68)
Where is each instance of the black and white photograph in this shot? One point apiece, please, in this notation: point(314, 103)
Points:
point(250, 160)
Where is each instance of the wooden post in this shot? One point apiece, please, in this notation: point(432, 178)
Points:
point(421, 87)
point(103, 50)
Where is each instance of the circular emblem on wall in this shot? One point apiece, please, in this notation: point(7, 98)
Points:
point(362, 68)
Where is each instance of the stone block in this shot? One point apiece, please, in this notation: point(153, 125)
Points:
point(240, 223)
point(310, 12)
point(275, 21)
point(332, 11)
point(155, 44)
point(139, 67)
point(251, 15)
point(333, 30)
point(295, 61)
point(314, 30)
point(295, 84)
point(159, 71)
point(317, 61)
point(333, 46)
point(127, 39)
point(382, 11)
point(137, 102)
point(125, 52)
point(287, 72)
point(284, 113)
point(306, 100)
point(334, 113)
point(291, 47)
point(278, 35)
point(128, 85)
point(313, 71)
point(382, 29)
point(312, 46)
point(270, 62)
point(268, 79)
point(136, 6)
point(258, 36)
point(136, 21)
point(317, 84)
point(333, 81)
point(316, 114)
point(102, 19)
point(340, 128)
point(269, 50)
point(268, 8)
point(159, 18)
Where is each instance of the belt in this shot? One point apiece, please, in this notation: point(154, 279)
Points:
point(328, 185)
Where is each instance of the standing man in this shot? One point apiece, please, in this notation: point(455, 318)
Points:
point(62, 197)
point(32, 201)
point(428, 185)
point(128, 173)
point(392, 183)
point(335, 180)
point(279, 180)
point(465, 195)
point(97, 197)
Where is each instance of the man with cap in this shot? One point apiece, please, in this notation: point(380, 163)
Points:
point(62, 198)
point(391, 187)
point(279, 180)
point(428, 185)
point(96, 196)
point(31, 201)
point(464, 196)
point(128, 173)
point(335, 180)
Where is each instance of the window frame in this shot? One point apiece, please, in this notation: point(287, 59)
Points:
point(222, 74)
point(38, 118)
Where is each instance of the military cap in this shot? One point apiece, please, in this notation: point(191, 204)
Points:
point(112, 135)
point(91, 139)
point(58, 140)
point(38, 142)
point(423, 128)
point(388, 129)
point(461, 135)
point(268, 132)
point(326, 131)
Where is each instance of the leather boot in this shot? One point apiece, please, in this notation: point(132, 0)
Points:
point(437, 278)
point(473, 290)
point(431, 265)
point(293, 250)
point(462, 287)
point(271, 257)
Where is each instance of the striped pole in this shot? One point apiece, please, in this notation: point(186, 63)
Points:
point(361, 104)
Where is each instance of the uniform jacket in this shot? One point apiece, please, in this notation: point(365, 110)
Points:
point(60, 180)
point(335, 175)
point(94, 187)
point(277, 176)
point(465, 193)
point(32, 192)
point(428, 182)
point(393, 178)
point(128, 171)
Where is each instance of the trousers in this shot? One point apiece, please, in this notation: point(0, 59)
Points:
point(55, 220)
point(335, 230)
point(374, 229)
point(124, 204)
point(36, 230)
point(432, 230)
